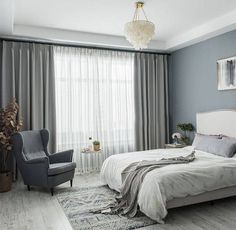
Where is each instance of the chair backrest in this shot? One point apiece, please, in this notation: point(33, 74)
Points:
point(34, 145)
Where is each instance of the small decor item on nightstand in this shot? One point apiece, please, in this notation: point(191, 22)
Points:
point(90, 146)
point(177, 137)
point(96, 145)
point(186, 128)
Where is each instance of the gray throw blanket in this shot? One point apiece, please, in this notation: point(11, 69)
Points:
point(132, 178)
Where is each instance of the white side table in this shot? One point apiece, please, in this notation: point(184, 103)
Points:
point(92, 161)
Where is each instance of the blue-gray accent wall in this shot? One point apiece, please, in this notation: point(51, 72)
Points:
point(193, 79)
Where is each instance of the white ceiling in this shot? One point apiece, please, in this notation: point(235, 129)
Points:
point(173, 18)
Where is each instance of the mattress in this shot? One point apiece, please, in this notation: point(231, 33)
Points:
point(207, 173)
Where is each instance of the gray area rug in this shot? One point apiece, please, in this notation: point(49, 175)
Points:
point(77, 203)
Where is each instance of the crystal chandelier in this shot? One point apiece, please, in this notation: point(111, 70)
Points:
point(139, 32)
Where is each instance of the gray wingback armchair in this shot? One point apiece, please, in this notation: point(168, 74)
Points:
point(37, 166)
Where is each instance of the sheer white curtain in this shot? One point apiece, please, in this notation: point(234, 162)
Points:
point(94, 97)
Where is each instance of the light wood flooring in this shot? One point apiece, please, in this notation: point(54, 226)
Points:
point(38, 210)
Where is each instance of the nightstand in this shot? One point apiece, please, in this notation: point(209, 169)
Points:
point(174, 146)
point(92, 160)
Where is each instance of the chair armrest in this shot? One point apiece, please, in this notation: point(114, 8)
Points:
point(60, 157)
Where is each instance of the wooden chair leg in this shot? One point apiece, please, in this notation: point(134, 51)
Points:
point(52, 191)
point(71, 183)
point(28, 187)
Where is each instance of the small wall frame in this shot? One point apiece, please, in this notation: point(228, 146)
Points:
point(226, 73)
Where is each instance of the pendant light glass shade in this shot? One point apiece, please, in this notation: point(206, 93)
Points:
point(139, 32)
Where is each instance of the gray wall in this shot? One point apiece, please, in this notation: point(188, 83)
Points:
point(193, 79)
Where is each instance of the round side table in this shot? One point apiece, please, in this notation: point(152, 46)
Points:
point(92, 161)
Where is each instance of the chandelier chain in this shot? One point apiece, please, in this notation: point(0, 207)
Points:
point(137, 13)
point(144, 14)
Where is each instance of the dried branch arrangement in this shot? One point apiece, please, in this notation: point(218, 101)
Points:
point(9, 124)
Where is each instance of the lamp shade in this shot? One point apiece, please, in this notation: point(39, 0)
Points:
point(139, 33)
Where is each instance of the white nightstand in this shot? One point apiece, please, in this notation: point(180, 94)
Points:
point(92, 161)
point(174, 146)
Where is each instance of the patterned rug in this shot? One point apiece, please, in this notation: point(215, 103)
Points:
point(77, 203)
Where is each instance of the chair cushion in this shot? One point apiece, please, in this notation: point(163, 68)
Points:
point(59, 168)
point(36, 155)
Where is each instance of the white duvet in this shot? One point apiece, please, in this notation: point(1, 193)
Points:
point(207, 172)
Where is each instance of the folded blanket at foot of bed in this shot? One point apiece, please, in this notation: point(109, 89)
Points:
point(132, 177)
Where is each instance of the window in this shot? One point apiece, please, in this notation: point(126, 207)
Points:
point(94, 97)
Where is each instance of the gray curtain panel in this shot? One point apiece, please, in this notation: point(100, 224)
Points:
point(28, 74)
point(151, 100)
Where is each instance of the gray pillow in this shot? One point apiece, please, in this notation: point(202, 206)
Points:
point(218, 145)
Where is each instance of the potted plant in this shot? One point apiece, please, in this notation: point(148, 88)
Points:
point(9, 124)
point(96, 145)
point(185, 127)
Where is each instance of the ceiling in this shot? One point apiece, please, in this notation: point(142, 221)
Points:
point(172, 18)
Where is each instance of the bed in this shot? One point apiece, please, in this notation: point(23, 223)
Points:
point(209, 177)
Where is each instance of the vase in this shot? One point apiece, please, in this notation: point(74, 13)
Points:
point(5, 181)
point(96, 147)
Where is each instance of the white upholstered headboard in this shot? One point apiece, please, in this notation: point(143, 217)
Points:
point(217, 122)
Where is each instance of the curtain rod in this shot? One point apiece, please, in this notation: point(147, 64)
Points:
point(38, 41)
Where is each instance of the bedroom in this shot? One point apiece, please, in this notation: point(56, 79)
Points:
point(108, 103)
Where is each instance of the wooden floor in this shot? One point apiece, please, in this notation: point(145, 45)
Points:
point(37, 210)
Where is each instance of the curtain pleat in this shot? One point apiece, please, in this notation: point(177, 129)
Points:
point(28, 75)
point(151, 101)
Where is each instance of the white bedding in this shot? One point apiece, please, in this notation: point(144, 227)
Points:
point(207, 173)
